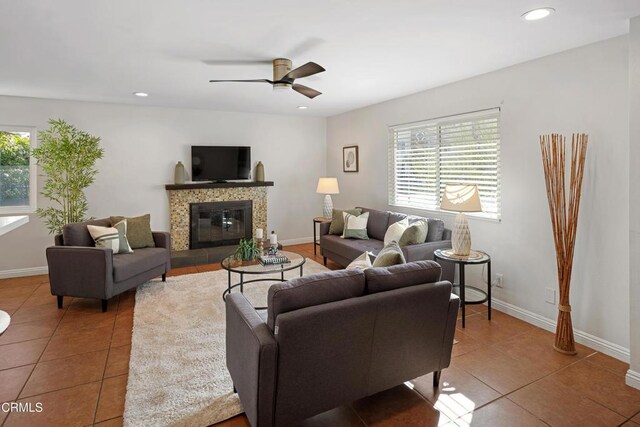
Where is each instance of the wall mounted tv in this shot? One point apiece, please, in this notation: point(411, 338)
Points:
point(220, 163)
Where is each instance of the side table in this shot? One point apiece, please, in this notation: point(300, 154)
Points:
point(476, 258)
point(317, 220)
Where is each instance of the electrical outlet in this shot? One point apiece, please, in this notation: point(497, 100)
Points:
point(499, 282)
point(550, 295)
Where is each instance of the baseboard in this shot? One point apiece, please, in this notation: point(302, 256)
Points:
point(21, 272)
point(598, 344)
point(298, 241)
point(633, 379)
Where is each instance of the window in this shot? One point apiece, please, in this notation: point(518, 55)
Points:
point(425, 156)
point(17, 170)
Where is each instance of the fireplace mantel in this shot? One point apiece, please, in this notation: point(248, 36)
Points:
point(205, 185)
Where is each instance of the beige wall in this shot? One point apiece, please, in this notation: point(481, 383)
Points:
point(142, 145)
point(633, 377)
point(584, 89)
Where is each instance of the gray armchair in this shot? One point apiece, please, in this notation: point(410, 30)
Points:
point(79, 269)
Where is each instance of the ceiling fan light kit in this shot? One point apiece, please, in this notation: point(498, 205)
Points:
point(284, 77)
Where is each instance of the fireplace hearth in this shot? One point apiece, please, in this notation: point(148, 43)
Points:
point(220, 223)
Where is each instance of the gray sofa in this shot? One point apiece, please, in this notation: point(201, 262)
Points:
point(335, 337)
point(343, 251)
point(78, 269)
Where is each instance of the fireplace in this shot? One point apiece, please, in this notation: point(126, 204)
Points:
point(220, 223)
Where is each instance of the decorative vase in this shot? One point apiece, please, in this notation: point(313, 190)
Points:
point(179, 173)
point(260, 172)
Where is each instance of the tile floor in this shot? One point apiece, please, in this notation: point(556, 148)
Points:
point(503, 373)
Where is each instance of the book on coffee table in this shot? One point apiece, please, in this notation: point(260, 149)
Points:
point(273, 259)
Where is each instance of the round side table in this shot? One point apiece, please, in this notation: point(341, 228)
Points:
point(477, 258)
point(317, 220)
point(5, 319)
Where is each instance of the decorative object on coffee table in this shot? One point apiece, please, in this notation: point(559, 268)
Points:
point(260, 172)
point(327, 186)
point(247, 250)
point(5, 319)
point(461, 198)
point(260, 240)
point(178, 175)
point(564, 220)
point(474, 258)
point(350, 160)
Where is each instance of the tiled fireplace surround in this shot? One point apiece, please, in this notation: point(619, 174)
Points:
point(181, 198)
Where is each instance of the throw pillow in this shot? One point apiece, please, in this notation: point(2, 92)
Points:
point(361, 263)
point(355, 227)
point(394, 232)
point(105, 237)
point(415, 233)
point(138, 231)
point(124, 247)
point(391, 254)
point(337, 220)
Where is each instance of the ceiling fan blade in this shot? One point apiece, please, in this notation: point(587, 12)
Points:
point(243, 81)
point(306, 91)
point(308, 69)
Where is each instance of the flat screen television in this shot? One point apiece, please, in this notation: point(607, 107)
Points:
point(220, 163)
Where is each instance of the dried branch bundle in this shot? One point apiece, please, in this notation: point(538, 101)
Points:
point(564, 220)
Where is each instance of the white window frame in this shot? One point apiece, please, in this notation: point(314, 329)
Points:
point(437, 122)
point(33, 173)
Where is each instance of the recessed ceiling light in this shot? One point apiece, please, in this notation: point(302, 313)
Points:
point(302, 107)
point(141, 94)
point(540, 13)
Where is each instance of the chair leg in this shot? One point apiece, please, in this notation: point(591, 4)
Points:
point(164, 277)
point(324, 260)
point(105, 303)
point(436, 379)
point(60, 298)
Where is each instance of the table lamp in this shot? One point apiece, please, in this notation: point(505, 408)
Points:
point(461, 198)
point(327, 186)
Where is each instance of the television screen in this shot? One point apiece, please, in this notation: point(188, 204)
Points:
point(220, 163)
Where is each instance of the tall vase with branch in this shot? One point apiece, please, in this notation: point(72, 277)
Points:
point(67, 157)
point(564, 220)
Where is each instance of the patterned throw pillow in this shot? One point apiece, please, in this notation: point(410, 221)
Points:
point(337, 221)
point(355, 227)
point(124, 247)
point(361, 263)
point(414, 234)
point(395, 230)
point(389, 255)
point(105, 237)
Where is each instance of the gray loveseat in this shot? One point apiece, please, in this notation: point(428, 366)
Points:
point(78, 269)
point(343, 251)
point(335, 337)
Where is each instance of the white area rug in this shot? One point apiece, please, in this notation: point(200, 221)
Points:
point(177, 372)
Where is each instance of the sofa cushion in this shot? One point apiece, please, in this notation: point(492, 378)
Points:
point(77, 234)
point(355, 226)
point(380, 279)
point(126, 266)
point(436, 230)
point(362, 262)
point(395, 231)
point(313, 290)
point(378, 222)
point(370, 245)
point(391, 254)
point(347, 248)
point(395, 217)
point(138, 231)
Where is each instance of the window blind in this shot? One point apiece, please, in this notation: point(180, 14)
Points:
point(425, 156)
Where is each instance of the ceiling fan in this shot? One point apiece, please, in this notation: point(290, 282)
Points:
point(284, 77)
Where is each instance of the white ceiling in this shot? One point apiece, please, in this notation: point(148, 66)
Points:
point(373, 50)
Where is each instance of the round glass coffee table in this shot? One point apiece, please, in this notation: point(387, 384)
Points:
point(243, 268)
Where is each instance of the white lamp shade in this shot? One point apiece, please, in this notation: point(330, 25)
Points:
point(461, 198)
point(328, 186)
